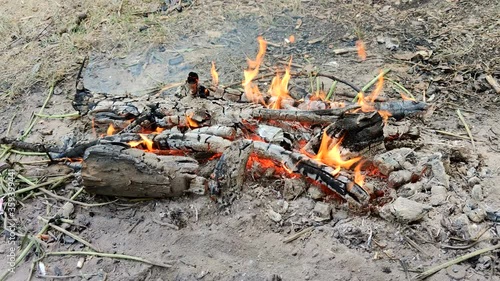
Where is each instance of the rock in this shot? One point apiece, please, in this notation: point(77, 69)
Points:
point(473, 181)
point(438, 195)
point(81, 17)
point(410, 189)
point(439, 172)
point(404, 210)
point(293, 188)
point(276, 217)
point(477, 193)
point(392, 160)
point(457, 272)
point(398, 178)
point(474, 211)
point(322, 211)
point(281, 206)
point(315, 192)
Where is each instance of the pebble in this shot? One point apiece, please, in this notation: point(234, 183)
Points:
point(474, 211)
point(439, 172)
point(477, 193)
point(438, 195)
point(473, 181)
point(293, 188)
point(315, 193)
point(404, 210)
point(410, 189)
point(322, 211)
point(456, 272)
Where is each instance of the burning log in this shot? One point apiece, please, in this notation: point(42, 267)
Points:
point(128, 172)
point(292, 115)
point(317, 171)
point(401, 109)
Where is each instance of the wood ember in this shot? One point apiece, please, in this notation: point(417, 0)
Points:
point(118, 171)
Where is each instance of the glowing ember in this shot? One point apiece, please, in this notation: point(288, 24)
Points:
point(279, 88)
point(329, 154)
point(111, 130)
point(358, 177)
point(215, 75)
point(252, 91)
point(360, 45)
point(190, 122)
point(291, 39)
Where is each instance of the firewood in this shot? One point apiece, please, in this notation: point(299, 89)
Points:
point(401, 109)
point(118, 171)
point(229, 172)
point(291, 115)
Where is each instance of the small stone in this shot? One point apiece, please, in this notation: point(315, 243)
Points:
point(459, 78)
point(315, 192)
point(477, 193)
point(272, 215)
point(439, 195)
point(457, 272)
point(439, 172)
point(398, 178)
point(474, 212)
point(404, 210)
point(293, 188)
point(473, 181)
point(81, 17)
point(322, 211)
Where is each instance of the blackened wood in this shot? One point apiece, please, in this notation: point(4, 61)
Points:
point(292, 115)
point(127, 172)
point(229, 172)
point(401, 109)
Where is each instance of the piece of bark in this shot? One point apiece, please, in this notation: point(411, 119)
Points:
point(127, 172)
point(292, 115)
point(493, 83)
point(229, 172)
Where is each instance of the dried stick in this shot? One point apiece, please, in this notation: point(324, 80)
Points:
point(72, 235)
point(106, 255)
point(298, 234)
point(435, 269)
point(32, 124)
point(73, 201)
point(466, 128)
point(493, 83)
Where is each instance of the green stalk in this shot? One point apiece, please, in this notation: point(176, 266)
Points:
point(401, 87)
point(370, 84)
point(33, 121)
point(67, 115)
point(332, 90)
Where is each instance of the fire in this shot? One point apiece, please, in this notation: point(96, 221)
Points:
point(291, 39)
point(111, 130)
point(358, 177)
point(329, 154)
point(252, 91)
point(190, 122)
point(145, 141)
point(367, 103)
point(360, 45)
point(266, 164)
point(215, 75)
point(279, 88)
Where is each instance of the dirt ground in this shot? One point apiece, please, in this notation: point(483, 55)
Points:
point(441, 51)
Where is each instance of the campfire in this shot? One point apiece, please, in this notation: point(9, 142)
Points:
point(214, 138)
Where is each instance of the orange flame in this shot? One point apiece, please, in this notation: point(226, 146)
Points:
point(279, 88)
point(329, 154)
point(367, 103)
point(291, 39)
point(215, 75)
point(252, 91)
point(190, 122)
point(360, 45)
point(358, 177)
point(111, 130)
point(145, 141)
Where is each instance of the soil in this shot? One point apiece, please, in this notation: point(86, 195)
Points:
point(132, 54)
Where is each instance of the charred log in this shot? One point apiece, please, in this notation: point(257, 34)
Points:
point(401, 109)
point(118, 171)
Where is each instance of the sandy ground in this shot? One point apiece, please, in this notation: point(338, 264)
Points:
point(131, 53)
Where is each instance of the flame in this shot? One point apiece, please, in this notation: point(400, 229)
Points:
point(358, 177)
point(111, 130)
point(291, 39)
point(145, 141)
point(360, 45)
point(265, 164)
point(329, 154)
point(367, 103)
point(190, 122)
point(405, 97)
point(279, 88)
point(252, 91)
point(215, 75)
